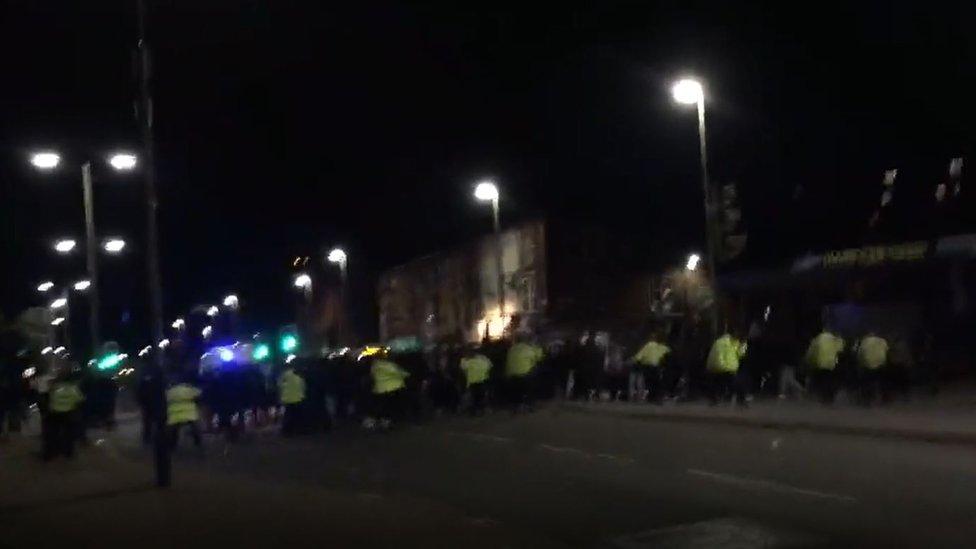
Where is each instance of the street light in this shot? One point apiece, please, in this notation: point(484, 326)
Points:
point(59, 303)
point(487, 191)
point(178, 324)
point(303, 281)
point(123, 161)
point(65, 245)
point(688, 91)
point(46, 350)
point(57, 321)
point(207, 330)
point(113, 245)
point(82, 285)
point(231, 301)
point(692, 263)
point(212, 311)
point(45, 160)
point(163, 343)
point(45, 286)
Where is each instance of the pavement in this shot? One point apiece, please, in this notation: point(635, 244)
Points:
point(554, 478)
point(949, 419)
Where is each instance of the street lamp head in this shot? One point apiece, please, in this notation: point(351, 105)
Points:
point(45, 160)
point(688, 91)
point(692, 264)
point(82, 285)
point(114, 245)
point(178, 324)
point(163, 343)
point(59, 303)
point(231, 301)
point(57, 321)
point(213, 310)
point(207, 330)
point(337, 255)
point(486, 191)
point(123, 161)
point(303, 281)
point(65, 245)
point(45, 286)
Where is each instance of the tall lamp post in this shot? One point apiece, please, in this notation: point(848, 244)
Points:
point(338, 256)
point(688, 91)
point(48, 160)
point(486, 191)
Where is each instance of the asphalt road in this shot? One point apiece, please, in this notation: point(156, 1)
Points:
point(571, 479)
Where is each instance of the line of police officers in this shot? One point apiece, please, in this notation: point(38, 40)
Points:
point(389, 383)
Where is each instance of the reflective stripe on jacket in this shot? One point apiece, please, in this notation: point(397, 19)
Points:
point(181, 406)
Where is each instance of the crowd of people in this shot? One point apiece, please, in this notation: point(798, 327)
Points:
point(379, 390)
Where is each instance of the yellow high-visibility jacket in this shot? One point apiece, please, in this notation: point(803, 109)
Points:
point(181, 406)
point(872, 352)
point(725, 354)
point(291, 387)
point(65, 397)
point(387, 376)
point(475, 369)
point(651, 354)
point(522, 359)
point(823, 351)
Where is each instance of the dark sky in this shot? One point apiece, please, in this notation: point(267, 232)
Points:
point(285, 127)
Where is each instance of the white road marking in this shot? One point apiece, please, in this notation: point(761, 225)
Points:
point(479, 436)
point(564, 450)
point(769, 485)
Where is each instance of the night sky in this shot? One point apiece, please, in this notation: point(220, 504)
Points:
point(286, 127)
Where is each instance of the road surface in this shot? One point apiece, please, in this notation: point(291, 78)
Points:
point(568, 479)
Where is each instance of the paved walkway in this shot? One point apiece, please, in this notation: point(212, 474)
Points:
point(950, 418)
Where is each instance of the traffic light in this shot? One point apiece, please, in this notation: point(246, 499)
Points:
point(261, 352)
point(109, 361)
point(288, 343)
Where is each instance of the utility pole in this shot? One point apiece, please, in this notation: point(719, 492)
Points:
point(91, 258)
point(162, 457)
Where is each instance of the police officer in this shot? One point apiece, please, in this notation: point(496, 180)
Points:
point(648, 369)
point(872, 356)
point(181, 411)
point(723, 366)
point(476, 368)
point(389, 383)
point(822, 357)
point(520, 364)
point(291, 391)
point(63, 402)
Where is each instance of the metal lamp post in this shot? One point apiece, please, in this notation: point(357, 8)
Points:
point(487, 191)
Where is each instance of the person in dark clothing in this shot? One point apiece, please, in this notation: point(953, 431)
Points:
point(150, 396)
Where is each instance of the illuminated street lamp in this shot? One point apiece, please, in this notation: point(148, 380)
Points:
point(231, 301)
point(45, 160)
point(46, 350)
point(487, 191)
point(688, 91)
point(207, 330)
point(113, 245)
point(45, 286)
point(48, 160)
point(57, 321)
point(212, 311)
point(82, 285)
point(65, 245)
point(692, 263)
point(59, 303)
point(303, 281)
point(123, 161)
point(178, 324)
